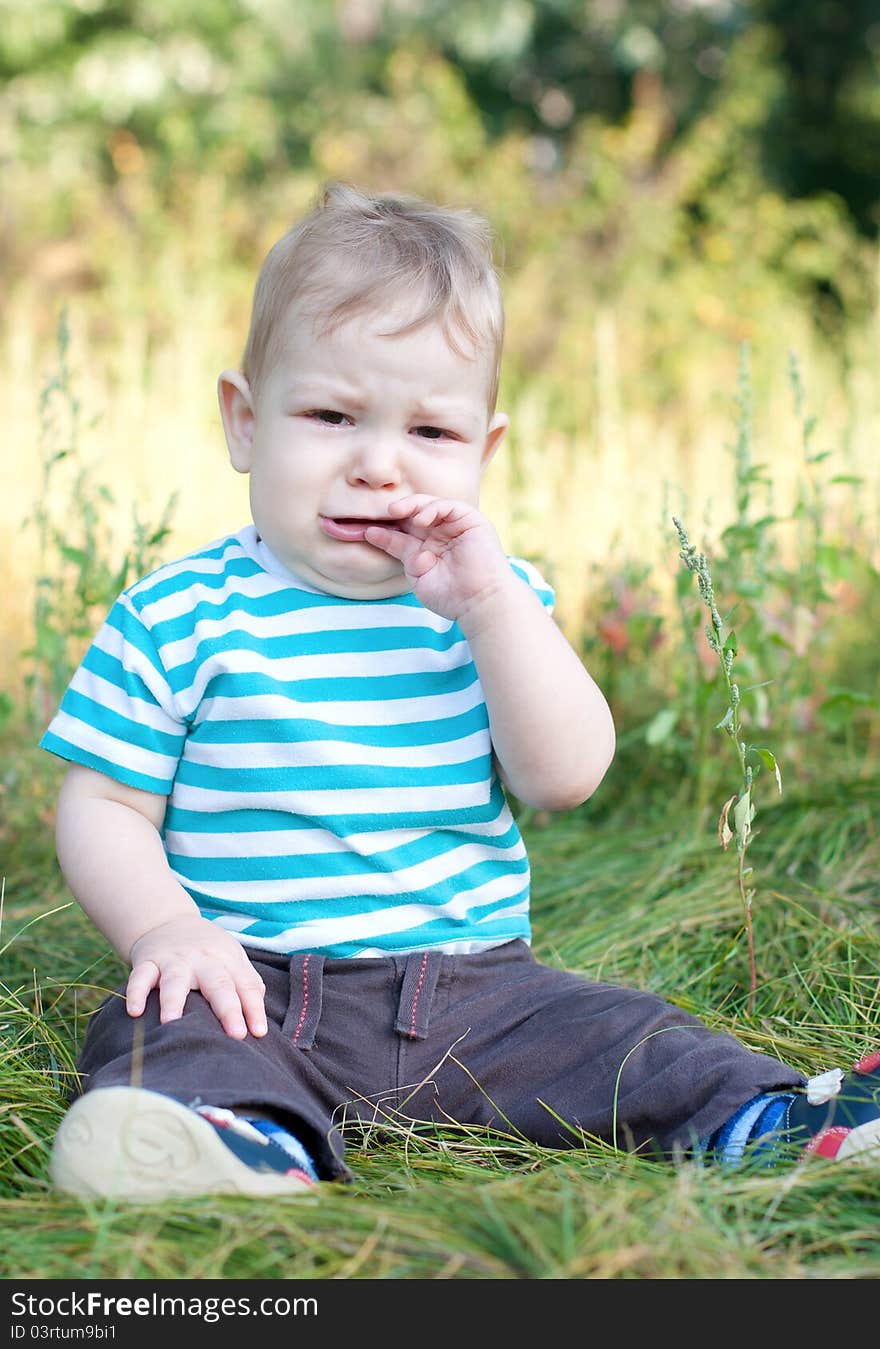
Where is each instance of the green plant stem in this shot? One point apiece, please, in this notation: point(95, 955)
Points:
point(746, 898)
point(724, 645)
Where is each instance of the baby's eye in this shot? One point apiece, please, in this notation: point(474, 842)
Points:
point(328, 416)
point(431, 432)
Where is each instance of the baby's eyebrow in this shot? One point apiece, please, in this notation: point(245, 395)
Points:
point(324, 391)
point(441, 405)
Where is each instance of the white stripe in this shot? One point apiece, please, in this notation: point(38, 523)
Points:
point(382, 884)
point(304, 842)
point(113, 643)
point(119, 752)
point(183, 602)
point(333, 665)
point(115, 699)
point(377, 801)
point(535, 580)
point(345, 665)
point(463, 947)
point(311, 753)
point(282, 843)
point(375, 712)
point(289, 942)
point(196, 561)
point(309, 620)
point(367, 926)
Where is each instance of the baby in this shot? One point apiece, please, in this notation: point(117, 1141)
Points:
point(285, 806)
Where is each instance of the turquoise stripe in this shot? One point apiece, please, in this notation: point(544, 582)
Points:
point(108, 667)
point(160, 585)
point(132, 631)
point(546, 594)
point(248, 871)
point(233, 821)
point(283, 602)
point(292, 913)
point(308, 866)
point(97, 715)
point(434, 932)
point(400, 735)
point(328, 641)
point(332, 777)
point(75, 754)
point(476, 928)
point(378, 688)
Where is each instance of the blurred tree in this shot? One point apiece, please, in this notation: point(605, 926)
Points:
point(546, 64)
point(244, 85)
point(823, 134)
point(543, 64)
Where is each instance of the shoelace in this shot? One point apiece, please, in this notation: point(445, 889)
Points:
point(824, 1086)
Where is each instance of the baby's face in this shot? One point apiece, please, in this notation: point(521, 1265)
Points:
point(346, 423)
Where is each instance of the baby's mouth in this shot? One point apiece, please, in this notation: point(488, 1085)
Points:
point(348, 528)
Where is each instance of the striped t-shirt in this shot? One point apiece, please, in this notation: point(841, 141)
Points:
point(327, 761)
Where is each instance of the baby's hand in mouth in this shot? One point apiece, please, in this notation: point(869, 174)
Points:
point(448, 549)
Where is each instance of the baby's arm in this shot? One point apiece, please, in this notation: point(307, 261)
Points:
point(551, 727)
point(111, 854)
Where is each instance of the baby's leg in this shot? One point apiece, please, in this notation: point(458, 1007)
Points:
point(548, 1054)
point(162, 1105)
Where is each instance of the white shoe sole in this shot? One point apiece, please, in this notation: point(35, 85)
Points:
point(861, 1144)
point(127, 1143)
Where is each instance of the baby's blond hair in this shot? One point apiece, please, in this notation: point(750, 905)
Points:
point(355, 254)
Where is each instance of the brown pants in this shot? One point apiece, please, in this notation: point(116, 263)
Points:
point(493, 1039)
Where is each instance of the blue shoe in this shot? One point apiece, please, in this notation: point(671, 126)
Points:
point(259, 1142)
point(837, 1114)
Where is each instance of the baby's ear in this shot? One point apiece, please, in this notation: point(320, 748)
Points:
point(494, 436)
point(237, 412)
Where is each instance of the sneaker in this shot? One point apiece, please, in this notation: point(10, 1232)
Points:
point(127, 1143)
point(838, 1114)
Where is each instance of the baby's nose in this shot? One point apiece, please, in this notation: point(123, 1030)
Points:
point(375, 466)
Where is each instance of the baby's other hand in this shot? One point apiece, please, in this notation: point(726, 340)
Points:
point(448, 549)
point(192, 953)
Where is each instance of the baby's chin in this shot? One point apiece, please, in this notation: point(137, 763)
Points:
point(365, 590)
point(380, 581)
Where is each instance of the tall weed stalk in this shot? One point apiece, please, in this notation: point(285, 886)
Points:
point(741, 805)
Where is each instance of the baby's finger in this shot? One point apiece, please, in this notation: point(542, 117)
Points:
point(218, 988)
point(176, 984)
point(416, 559)
point(143, 979)
point(252, 995)
point(436, 512)
point(392, 541)
point(409, 505)
point(426, 517)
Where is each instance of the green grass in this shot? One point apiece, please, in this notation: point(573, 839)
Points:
point(630, 890)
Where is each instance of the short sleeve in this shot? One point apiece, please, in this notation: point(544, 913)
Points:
point(535, 581)
point(118, 714)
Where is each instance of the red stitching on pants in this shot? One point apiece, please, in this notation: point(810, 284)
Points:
point(416, 996)
point(302, 1015)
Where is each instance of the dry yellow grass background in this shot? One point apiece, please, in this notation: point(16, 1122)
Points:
point(601, 493)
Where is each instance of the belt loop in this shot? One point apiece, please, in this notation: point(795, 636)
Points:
point(416, 993)
point(304, 1009)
